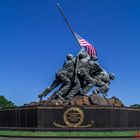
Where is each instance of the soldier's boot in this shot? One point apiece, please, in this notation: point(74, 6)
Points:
point(53, 96)
point(103, 89)
point(60, 96)
point(83, 93)
point(44, 93)
point(63, 101)
point(95, 92)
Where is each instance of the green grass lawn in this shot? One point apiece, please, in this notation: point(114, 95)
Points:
point(69, 134)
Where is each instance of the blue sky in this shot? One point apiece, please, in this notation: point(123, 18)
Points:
point(34, 40)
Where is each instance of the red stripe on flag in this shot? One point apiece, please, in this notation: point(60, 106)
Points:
point(89, 48)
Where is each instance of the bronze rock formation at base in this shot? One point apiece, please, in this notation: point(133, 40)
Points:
point(82, 100)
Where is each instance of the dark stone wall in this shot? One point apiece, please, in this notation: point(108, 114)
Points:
point(44, 117)
point(18, 117)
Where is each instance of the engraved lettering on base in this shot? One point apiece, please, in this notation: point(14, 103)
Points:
point(74, 117)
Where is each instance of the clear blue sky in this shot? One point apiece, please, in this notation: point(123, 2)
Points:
point(34, 41)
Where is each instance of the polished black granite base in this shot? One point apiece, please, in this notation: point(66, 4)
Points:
point(69, 118)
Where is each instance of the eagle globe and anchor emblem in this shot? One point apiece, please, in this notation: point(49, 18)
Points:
point(73, 117)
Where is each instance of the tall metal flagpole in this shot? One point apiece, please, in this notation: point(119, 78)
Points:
point(62, 13)
point(77, 57)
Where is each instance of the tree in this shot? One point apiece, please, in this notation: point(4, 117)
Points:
point(135, 106)
point(5, 103)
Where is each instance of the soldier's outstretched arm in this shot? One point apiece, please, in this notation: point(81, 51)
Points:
point(49, 89)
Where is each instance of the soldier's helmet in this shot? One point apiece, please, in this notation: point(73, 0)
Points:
point(69, 57)
point(82, 55)
point(112, 76)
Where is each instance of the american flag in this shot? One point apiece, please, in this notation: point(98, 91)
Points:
point(88, 47)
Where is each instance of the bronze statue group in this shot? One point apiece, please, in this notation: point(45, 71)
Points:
point(78, 76)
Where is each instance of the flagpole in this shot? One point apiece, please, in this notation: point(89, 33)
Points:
point(62, 13)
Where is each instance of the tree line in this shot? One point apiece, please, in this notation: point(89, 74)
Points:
point(135, 106)
point(5, 102)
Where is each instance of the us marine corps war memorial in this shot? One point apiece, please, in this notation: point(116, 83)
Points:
point(66, 105)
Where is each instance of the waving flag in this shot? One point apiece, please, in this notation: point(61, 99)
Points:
point(88, 47)
point(82, 42)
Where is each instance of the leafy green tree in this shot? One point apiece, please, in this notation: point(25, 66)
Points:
point(5, 103)
point(135, 106)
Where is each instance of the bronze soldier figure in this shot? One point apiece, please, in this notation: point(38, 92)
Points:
point(101, 76)
point(63, 76)
point(79, 75)
point(103, 82)
point(84, 73)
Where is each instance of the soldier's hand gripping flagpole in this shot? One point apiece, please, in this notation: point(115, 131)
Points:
point(77, 57)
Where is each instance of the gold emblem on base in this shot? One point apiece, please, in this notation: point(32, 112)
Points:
point(73, 117)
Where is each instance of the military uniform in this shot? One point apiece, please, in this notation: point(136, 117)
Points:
point(84, 73)
point(74, 85)
point(103, 82)
point(66, 75)
point(63, 76)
